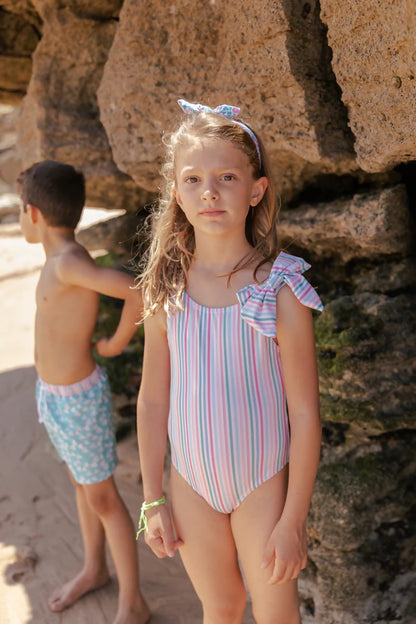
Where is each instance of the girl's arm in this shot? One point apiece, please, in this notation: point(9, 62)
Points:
point(152, 425)
point(295, 336)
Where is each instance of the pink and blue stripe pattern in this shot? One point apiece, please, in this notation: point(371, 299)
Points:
point(258, 301)
point(228, 423)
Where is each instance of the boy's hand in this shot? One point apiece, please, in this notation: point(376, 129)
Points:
point(159, 534)
point(286, 549)
point(106, 347)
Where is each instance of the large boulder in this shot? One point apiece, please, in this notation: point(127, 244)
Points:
point(10, 163)
point(374, 53)
point(369, 225)
point(270, 58)
point(20, 28)
point(59, 116)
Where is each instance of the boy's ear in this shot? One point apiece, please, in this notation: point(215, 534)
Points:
point(259, 189)
point(33, 213)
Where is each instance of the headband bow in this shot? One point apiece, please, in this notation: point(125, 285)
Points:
point(225, 110)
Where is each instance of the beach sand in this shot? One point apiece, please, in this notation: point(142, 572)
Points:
point(40, 542)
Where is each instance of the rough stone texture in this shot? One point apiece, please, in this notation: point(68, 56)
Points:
point(10, 163)
point(352, 214)
point(269, 57)
point(24, 8)
point(369, 536)
point(374, 54)
point(367, 226)
point(18, 39)
point(59, 116)
point(361, 339)
point(119, 234)
point(361, 534)
point(389, 277)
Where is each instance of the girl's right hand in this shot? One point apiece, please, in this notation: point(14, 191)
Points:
point(159, 535)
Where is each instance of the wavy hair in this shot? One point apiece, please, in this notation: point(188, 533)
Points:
point(164, 267)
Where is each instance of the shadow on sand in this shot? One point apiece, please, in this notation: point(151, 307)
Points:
point(40, 542)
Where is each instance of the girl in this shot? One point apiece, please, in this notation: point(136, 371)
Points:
point(229, 362)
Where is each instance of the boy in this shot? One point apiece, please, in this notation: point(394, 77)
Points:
point(73, 395)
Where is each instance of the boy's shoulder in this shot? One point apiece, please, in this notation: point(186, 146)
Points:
point(73, 252)
point(72, 257)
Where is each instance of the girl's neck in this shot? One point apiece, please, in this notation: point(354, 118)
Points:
point(218, 255)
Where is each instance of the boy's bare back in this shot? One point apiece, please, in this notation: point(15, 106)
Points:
point(66, 315)
point(67, 295)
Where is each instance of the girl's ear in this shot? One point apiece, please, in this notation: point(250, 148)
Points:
point(177, 197)
point(259, 189)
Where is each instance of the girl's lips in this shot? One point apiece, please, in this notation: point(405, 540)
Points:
point(212, 213)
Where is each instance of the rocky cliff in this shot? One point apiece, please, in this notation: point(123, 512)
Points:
point(331, 88)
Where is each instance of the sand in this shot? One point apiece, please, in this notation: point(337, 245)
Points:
point(40, 542)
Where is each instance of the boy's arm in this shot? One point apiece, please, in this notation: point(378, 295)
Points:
point(295, 336)
point(80, 270)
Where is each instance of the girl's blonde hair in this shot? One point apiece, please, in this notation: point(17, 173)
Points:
point(164, 267)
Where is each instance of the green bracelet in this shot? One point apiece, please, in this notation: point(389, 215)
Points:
point(143, 520)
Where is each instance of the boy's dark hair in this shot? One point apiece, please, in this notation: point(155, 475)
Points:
point(56, 189)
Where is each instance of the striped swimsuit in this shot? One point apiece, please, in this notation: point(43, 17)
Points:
point(228, 424)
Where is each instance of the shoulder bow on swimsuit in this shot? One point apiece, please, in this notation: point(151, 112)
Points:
point(258, 301)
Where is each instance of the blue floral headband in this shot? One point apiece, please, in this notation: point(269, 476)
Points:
point(225, 110)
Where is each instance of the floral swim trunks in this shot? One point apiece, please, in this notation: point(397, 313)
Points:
point(79, 421)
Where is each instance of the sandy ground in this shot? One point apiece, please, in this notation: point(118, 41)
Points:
point(40, 543)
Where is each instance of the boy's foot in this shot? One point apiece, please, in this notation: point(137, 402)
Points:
point(65, 596)
point(139, 615)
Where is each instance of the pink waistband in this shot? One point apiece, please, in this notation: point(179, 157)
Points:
point(75, 388)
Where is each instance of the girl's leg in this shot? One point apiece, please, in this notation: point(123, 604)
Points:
point(208, 553)
point(252, 523)
point(106, 502)
point(94, 573)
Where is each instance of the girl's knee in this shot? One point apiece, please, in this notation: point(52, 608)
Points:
point(229, 611)
point(273, 615)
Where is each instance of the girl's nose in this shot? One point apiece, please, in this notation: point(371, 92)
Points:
point(209, 194)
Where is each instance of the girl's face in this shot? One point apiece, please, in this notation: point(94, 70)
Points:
point(215, 186)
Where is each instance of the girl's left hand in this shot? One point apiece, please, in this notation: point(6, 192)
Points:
point(159, 535)
point(286, 549)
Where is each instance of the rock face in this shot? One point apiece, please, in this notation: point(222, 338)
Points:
point(378, 82)
point(367, 226)
point(59, 116)
point(276, 68)
point(331, 89)
point(20, 28)
point(10, 163)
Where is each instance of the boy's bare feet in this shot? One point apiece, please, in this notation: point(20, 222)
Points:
point(139, 615)
point(63, 597)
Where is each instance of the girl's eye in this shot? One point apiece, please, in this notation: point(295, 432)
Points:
point(191, 180)
point(228, 176)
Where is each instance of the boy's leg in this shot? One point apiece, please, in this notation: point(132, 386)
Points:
point(208, 554)
point(94, 573)
point(252, 523)
point(93, 535)
point(106, 502)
